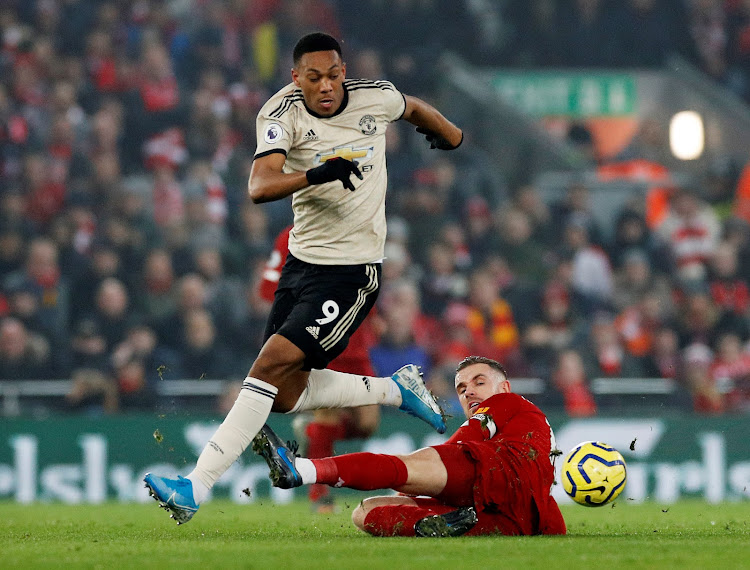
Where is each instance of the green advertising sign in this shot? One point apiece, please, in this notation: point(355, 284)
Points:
point(91, 460)
point(568, 94)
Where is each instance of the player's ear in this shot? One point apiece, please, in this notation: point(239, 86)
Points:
point(504, 387)
point(295, 77)
point(343, 70)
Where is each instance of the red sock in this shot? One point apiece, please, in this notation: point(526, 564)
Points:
point(321, 438)
point(363, 471)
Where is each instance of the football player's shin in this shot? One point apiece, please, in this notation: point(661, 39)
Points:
point(244, 420)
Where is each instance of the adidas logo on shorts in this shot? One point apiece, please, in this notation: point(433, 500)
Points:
point(314, 331)
point(310, 136)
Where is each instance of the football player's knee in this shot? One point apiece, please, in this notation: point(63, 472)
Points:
point(275, 368)
point(358, 516)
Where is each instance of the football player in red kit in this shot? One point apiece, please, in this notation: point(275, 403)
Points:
point(493, 476)
point(328, 426)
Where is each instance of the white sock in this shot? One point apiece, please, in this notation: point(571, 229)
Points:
point(248, 414)
point(200, 491)
point(331, 389)
point(306, 470)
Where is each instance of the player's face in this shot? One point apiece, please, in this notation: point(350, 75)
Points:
point(476, 383)
point(320, 75)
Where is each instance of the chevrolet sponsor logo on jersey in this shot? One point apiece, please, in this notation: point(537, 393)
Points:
point(348, 152)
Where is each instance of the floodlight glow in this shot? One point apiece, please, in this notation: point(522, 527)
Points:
point(686, 135)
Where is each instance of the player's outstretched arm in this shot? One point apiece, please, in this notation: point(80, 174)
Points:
point(438, 130)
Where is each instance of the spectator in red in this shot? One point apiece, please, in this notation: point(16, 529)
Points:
point(707, 399)
point(728, 290)
point(453, 235)
point(638, 323)
point(730, 372)
point(569, 377)
point(157, 104)
point(700, 320)
point(691, 232)
point(491, 323)
point(606, 354)
point(44, 196)
point(135, 391)
point(101, 64)
point(557, 328)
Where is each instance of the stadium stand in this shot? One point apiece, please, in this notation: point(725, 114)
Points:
point(129, 253)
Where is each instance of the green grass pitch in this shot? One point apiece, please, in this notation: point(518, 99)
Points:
point(289, 537)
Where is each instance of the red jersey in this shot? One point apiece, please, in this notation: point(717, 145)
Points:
point(356, 356)
point(511, 441)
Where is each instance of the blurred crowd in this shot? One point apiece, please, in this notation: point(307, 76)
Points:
point(130, 254)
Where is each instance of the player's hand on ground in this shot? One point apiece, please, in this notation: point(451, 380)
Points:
point(436, 141)
point(334, 169)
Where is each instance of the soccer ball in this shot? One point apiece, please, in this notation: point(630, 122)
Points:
point(593, 474)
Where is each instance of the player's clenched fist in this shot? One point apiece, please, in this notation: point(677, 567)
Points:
point(436, 141)
point(334, 169)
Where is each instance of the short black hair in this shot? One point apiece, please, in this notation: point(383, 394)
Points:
point(494, 364)
point(317, 41)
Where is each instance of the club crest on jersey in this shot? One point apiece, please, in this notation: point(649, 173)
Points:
point(367, 125)
point(273, 133)
point(348, 152)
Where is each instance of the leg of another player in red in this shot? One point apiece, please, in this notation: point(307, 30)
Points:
point(330, 426)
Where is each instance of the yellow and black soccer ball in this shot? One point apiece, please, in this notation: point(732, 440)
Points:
point(593, 474)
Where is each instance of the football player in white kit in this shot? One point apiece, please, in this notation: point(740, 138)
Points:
point(321, 139)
